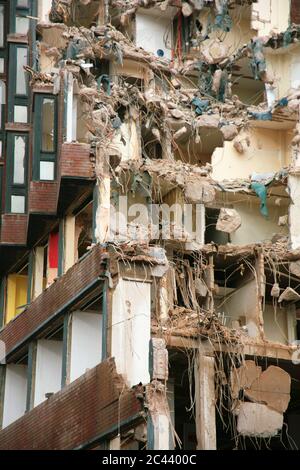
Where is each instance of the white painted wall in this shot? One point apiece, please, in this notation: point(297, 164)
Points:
point(15, 393)
point(86, 343)
point(44, 7)
point(48, 369)
point(131, 330)
point(154, 31)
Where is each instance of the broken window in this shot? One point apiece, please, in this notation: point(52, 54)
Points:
point(17, 146)
point(45, 118)
point(18, 80)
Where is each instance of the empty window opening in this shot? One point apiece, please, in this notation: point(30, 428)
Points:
point(195, 148)
point(212, 235)
point(179, 391)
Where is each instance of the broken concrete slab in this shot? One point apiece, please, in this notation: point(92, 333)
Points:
point(243, 377)
point(289, 295)
point(272, 388)
point(229, 220)
point(257, 420)
point(199, 191)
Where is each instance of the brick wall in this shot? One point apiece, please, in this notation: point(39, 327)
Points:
point(81, 411)
point(75, 161)
point(52, 299)
point(43, 197)
point(14, 229)
point(295, 11)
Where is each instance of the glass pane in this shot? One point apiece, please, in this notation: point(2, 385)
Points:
point(0, 148)
point(22, 3)
point(18, 204)
point(20, 114)
point(19, 159)
point(1, 25)
point(47, 171)
point(1, 65)
point(22, 25)
point(21, 74)
point(48, 125)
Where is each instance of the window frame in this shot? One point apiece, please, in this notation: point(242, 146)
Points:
point(15, 189)
point(15, 99)
point(39, 155)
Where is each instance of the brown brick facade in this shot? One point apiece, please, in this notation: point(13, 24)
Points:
point(14, 229)
point(43, 197)
point(91, 406)
point(66, 288)
point(295, 11)
point(75, 161)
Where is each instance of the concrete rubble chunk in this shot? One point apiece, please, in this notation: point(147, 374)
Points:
point(229, 132)
point(289, 295)
point(197, 191)
point(272, 388)
point(229, 220)
point(243, 377)
point(257, 420)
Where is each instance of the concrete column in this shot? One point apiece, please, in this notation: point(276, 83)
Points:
point(70, 250)
point(38, 271)
point(205, 402)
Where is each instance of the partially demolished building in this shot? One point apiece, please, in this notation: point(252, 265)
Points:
point(150, 229)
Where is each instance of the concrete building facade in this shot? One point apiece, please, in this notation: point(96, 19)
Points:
point(149, 224)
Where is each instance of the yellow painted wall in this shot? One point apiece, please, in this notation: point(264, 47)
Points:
point(269, 151)
point(280, 67)
point(16, 295)
point(268, 15)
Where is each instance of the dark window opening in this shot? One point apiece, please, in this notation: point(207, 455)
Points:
point(212, 235)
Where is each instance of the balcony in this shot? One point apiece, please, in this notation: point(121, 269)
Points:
point(93, 407)
point(53, 302)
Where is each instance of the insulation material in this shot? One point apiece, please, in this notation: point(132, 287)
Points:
point(229, 220)
point(257, 420)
